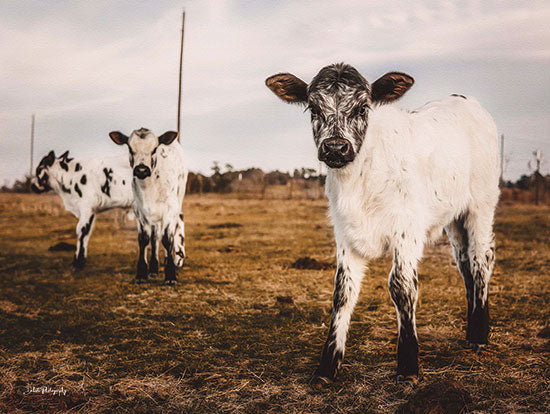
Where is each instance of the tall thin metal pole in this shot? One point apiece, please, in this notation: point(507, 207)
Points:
point(501, 158)
point(181, 65)
point(32, 144)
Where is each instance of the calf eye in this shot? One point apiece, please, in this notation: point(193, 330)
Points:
point(315, 113)
point(363, 110)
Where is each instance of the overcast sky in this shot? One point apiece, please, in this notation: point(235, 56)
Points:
point(88, 67)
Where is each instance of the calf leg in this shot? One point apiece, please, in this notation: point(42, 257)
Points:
point(143, 241)
point(403, 286)
point(154, 262)
point(83, 232)
point(481, 254)
point(458, 235)
point(179, 239)
point(169, 266)
point(347, 284)
point(473, 249)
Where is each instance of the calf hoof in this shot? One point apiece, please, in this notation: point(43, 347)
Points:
point(78, 264)
point(140, 281)
point(318, 381)
point(153, 275)
point(476, 347)
point(408, 379)
point(170, 282)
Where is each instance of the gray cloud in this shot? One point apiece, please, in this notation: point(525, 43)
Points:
point(86, 68)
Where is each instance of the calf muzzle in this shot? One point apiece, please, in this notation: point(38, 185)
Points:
point(142, 171)
point(37, 189)
point(336, 152)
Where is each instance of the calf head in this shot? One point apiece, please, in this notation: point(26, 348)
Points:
point(339, 99)
point(143, 145)
point(41, 181)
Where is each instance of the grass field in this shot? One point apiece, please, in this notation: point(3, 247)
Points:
point(242, 331)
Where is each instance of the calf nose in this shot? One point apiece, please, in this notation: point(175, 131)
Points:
point(142, 171)
point(335, 146)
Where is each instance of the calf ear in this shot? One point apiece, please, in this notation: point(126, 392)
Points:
point(118, 137)
point(390, 87)
point(65, 156)
point(288, 87)
point(168, 137)
point(50, 158)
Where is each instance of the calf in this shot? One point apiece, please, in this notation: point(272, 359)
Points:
point(159, 179)
point(395, 180)
point(87, 187)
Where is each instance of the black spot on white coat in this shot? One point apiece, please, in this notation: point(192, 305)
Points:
point(106, 187)
point(77, 189)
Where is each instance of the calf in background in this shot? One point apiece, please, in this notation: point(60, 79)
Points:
point(87, 187)
point(158, 184)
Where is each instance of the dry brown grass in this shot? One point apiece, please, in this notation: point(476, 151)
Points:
point(221, 341)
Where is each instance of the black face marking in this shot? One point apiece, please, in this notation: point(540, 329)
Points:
point(77, 167)
point(106, 187)
point(83, 179)
point(123, 182)
point(77, 189)
point(339, 98)
point(142, 132)
point(458, 96)
point(65, 189)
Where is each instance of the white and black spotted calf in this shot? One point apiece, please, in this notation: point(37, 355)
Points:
point(159, 179)
point(87, 187)
point(395, 180)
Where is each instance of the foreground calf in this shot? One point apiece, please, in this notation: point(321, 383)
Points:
point(395, 180)
point(87, 187)
point(158, 185)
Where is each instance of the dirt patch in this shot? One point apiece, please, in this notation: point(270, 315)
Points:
point(285, 299)
point(7, 306)
point(62, 247)
point(443, 397)
point(311, 264)
point(225, 226)
point(229, 249)
point(544, 332)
